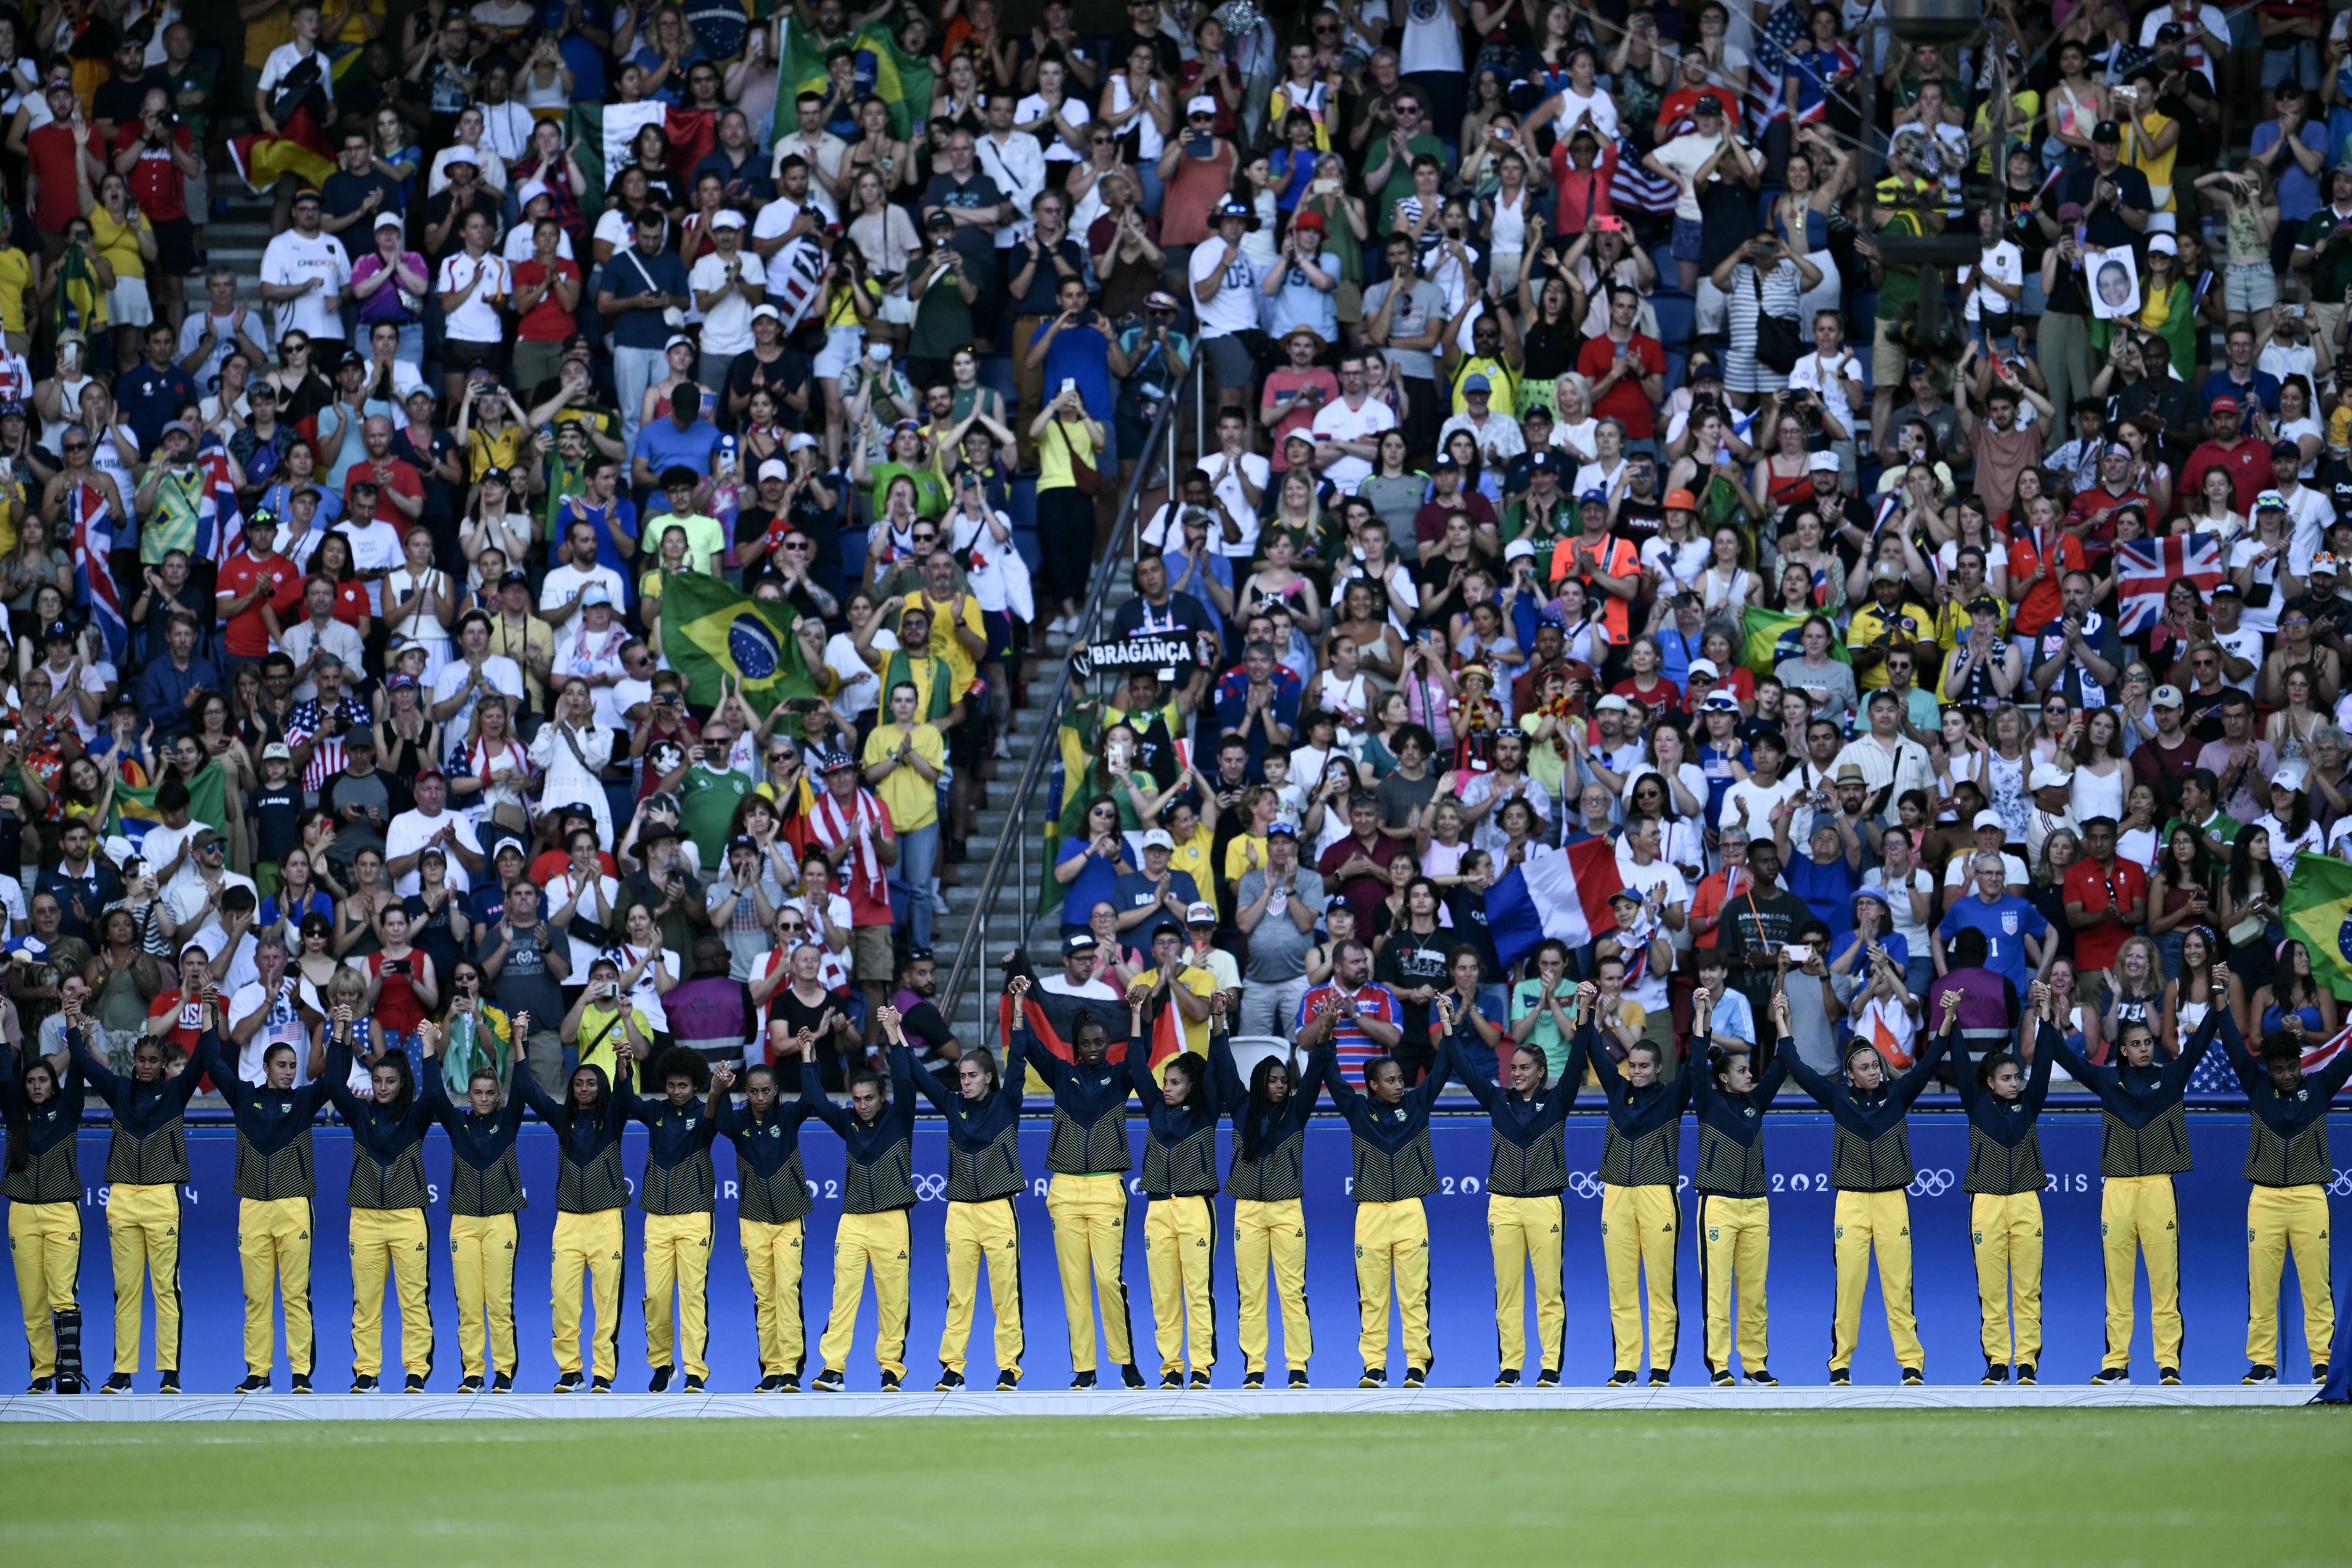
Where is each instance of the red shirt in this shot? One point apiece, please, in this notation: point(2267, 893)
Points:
point(547, 322)
point(399, 477)
point(556, 862)
point(49, 158)
point(1624, 402)
point(156, 182)
point(2099, 539)
point(1361, 891)
point(2249, 467)
point(190, 1028)
point(1583, 193)
point(1281, 383)
point(352, 606)
point(2040, 606)
point(2097, 891)
point(248, 635)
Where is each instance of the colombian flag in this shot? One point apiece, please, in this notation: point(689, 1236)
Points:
point(714, 631)
point(1772, 636)
point(135, 813)
point(2318, 914)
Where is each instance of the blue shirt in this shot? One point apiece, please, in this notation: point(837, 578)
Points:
point(1081, 354)
point(164, 693)
point(642, 329)
point(1827, 890)
point(150, 397)
point(2264, 389)
point(2298, 192)
point(1097, 883)
point(662, 444)
point(1135, 890)
point(2006, 923)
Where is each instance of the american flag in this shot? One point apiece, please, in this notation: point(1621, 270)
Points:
point(2145, 570)
point(1782, 32)
point(1641, 189)
point(796, 282)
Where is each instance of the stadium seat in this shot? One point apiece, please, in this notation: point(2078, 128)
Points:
point(1023, 512)
point(1676, 359)
point(1677, 314)
point(996, 371)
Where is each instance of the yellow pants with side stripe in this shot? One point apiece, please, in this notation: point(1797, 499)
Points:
point(1393, 1249)
point(389, 1247)
point(977, 1233)
point(1735, 1257)
point(1271, 1234)
point(273, 1247)
point(678, 1261)
point(1524, 1234)
point(1180, 1253)
point(1090, 1236)
point(2279, 1220)
point(143, 1231)
point(588, 1253)
point(481, 1265)
point(773, 1254)
point(45, 1247)
point(1641, 1229)
point(2141, 1215)
point(2005, 1229)
point(879, 1242)
point(1868, 1223)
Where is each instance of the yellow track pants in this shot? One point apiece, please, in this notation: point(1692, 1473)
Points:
point(1180, 1253)
point(1868, 1222)
point(773, 1254)
point(481, 1265)
point(45, 1245)
point(588, 1251)
point(1272, 1234)
point(678, 1261)
point(1735, 1255)
point(1090, 1236)
point(1524, 1234)
point(2279, 1219)
point(273, 1248)
point(977, 1233)
point(142, 1228)
point(2141, 1214)
point(1392, 1247)
point(1641, 1228)
point(2005, 1229)
point(390, 1247)
point(878, 1241)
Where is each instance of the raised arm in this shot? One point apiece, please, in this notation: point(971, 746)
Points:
point(1483, 1089)
point(1914, 1081)
point(1224, 1073)
point(2177, 1070)
point(922, 1078)
point(813, 1096)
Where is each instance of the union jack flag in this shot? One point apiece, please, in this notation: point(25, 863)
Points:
point(90, 540)
point(2145, 570)
point(1641, 189)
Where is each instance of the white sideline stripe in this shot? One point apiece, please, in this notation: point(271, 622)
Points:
point(1147, 1404)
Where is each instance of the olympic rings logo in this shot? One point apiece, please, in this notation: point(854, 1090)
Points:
point(2340, 1186)
point(930, 1188)
point(1582, 1184)
point(1930, 1185)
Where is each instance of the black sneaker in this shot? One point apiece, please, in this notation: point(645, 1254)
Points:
point(1763, 1378)
point(2319, 1372)
point(469, 1385)
point(1723, 1379)
point(1374, 1377)
point(1415, 1376)
point(1172, 1379)
point(771, 1383)
point(1660, 1377)
point(48, 1384)
point(416, 1384)
point(1130, 1375)
point(502, 1382)
point(600, 1385)
point(1083, 1380)
point(117, 1382)
point(1622, 1378)
point(1912, 1378)
point(1995, 1372)
point(364, 1383)
point(1200, 1379)
point(2261, 1371)
point(1008, 1380)
point(660, 1384)
point(1252, 1380)
point(568, 1383)
point(2025, 1374)
point(827, 1382)
point(890, 1380)
point(1507, 1378)
point(170, 1383)
point(1298, 1377)
point(2170, 1374)
point(1840, 1377)
point(300, 1384)
point(70, 1383)
point(788, 1384)
point(254, 1384)
point(2112, 1374)
point(1548, 1378)
point(693, 1384)
point(948, 1381)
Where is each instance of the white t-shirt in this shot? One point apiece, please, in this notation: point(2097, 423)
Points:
point(1432, 38)
point(777, 217)
point(1913, 932)
point(519, 246)
point(1760, 799)
point(284, 1024)
point(1809, 373)
point(504, 675)
point(1073, 114)
point(727, 325)
point(1228, 489)
point(562, 582)
point(375, 547)
point(1683, 157)
point(294, 258)
point(861, 688)
point(1337, 421)
point(476, 321)
point(1235, 309)
point(2004, 263)
point(409, 832)
point(284, 59)
point(561, 892)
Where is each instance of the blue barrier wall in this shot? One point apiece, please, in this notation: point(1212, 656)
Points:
point(2213, 1265)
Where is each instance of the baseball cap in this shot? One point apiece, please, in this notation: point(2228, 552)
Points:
point(277, 751)
point(1887, 572)
point(1822, 463)
point(1708, 103)
point(2163, 245)
point(2270, 501)
point(743, 841)
point(390, 220)
point(1203, 104)
point(1613, 703)
point(1307, 220)
point(516, 577)
point(1200, 915)
point(2050, 775)
point(1990, 819)
point(2166, 696)
point(1161, 299)
point(1629, 895)
point(1676, 501)
point(2323, 562)
point(1518, 550)
point(1477, 381)
point(595, 594)
point(1279, 829)
point(832, 760)
point(726, 217)
point(2106, 131)
point(1595, 497)
point(2221, 404)
point(2286, 449)
point(1542, 461)
point(767, 312)
point(774, 468)
point(1705, 666)
point(1079, 941)
point(2290, 776)
point(1157, 839)
point(1719, 702)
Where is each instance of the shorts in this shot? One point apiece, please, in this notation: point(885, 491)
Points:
point(459, 357)
point(870, 957)
point(1684, 244)
point(127, 304)
point(2032, 300)
point(175, 246)
point(841, 347)
point(1230, 364)
point(996, 626)
point(1889, 356)
point(897, 309)
point(2248, 287)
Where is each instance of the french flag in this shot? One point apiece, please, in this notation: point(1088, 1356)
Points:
point(1559, 893)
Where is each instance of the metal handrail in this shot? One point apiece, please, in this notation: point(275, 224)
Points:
point(1013, 844)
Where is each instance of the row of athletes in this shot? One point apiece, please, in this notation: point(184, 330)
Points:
point(2145, 1145)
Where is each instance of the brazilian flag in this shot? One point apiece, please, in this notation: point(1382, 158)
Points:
point(135, 806)
point(2318, 914)
point(711, 631)
point(1769, 637)
point(905, 82)
point(1081, 729)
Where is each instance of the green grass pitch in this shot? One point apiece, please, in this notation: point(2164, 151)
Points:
point(2078, 1488)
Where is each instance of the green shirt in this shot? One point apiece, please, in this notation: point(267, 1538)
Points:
point(1400, 181)
point(706, 799)
point(2331, 270)
point(1526, 997)
point(2221, 826)
point(1898, 287)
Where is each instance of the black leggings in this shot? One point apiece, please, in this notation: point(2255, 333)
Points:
point(1066, 538)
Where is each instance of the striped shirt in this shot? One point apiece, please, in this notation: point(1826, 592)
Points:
point(1348, 1042)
